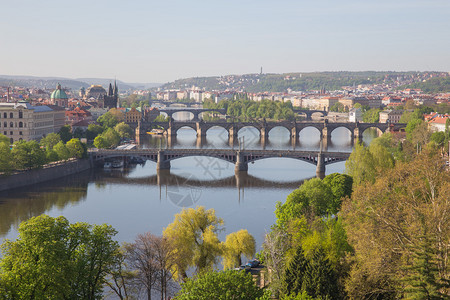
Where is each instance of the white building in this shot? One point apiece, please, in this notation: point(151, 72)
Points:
point(355, 115)
point(22, 121)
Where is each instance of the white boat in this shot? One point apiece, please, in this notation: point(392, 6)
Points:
point(107, 165)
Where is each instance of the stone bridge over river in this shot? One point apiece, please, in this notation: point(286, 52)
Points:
point(240, 158)
point(325, 128)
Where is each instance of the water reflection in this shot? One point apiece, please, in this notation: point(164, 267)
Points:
point(21, 204)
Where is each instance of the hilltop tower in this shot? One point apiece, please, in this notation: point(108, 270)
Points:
point(111, 100)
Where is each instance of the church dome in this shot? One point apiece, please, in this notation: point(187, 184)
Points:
point(59, 93)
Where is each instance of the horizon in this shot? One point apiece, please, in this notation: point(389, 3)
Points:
point(159, 42)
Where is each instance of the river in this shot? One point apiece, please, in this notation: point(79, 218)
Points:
point(136, 200)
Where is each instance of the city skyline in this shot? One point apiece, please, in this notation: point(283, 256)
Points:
point(156, 41)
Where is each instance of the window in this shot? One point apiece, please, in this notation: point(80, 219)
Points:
point(20, 114)
point(20, 124)
point(5, 115)
point(4, 132)
point(11, 124)
point(10, 133)
point(11, 115)
point(5, 124)
point(20, 133)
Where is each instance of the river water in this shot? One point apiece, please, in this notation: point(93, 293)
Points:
point(136, 199)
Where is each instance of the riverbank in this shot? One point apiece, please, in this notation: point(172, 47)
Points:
point(48, 172)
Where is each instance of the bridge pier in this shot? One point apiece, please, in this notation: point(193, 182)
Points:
point(320, 169)
point(162, 163)
point(264, 133)
point(200, 130)
point(171, 140)
point(241, 165)
point(356, 135)
point(294, 133)
point(200, 141)
point(171, 131)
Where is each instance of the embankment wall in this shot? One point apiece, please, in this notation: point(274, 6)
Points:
point(48, 172)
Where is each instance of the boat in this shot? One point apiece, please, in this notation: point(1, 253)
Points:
point(156, 132)
point(107, 165)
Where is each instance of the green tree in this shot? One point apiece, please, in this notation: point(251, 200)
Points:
point(52, 259)
point(62, 151)
point(100, 143)
point(51, 155)
point(372, 115)
point(5, 158)
point(50, 140)
point(293, 276)
point(75, 148)
point(28, 155)
point(237, 244)
point(4, 139)
point(93, 131)
point(221, 286)
point(108, 120)
point(111, 138)
point(193, 235)
point(319, 278)
point(124, 130)
point(65, 133)
point(361, 165)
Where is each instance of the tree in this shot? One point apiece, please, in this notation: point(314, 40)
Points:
point(50, 140)
point(193, 235)
point(319, 278)
point(52, 259)
point(65, 133)
point(237, 244)
point(93, 131)
point(109, 119)
point(372, 115)
point(386, 223)
point(4, 139)
point(361, 165)
point(62, 151)
point(221, 286)
point(111, 138)
point(5, 158)
point(100, 143)
point(75, 148)
point(293, 276)
point(124, 130)
point(28, 155)
point(141, 258)
point(341, 185)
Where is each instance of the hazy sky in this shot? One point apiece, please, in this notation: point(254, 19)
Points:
point(160, 41)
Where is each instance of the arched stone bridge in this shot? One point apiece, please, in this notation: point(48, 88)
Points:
point(309, 113)
point(195, 111)
point(325, 128)
point(241, 158)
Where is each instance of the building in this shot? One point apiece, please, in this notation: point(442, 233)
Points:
point(390, 116)
point(111, 100)
point(133, 115)
point(76, 115)
point(437, 122)
point(95, 91)
point(355, 115)
point(59, 97)
point(22, 121)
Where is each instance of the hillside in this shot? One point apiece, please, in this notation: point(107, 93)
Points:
point(297, 81)
point(73, 84)
point(433, 85)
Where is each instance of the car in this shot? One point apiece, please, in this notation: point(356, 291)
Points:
point(254, 263)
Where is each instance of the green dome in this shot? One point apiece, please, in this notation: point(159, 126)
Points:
point(59, 93)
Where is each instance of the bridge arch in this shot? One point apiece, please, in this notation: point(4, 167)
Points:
point(317, 114)
point(348, 129)
point(308, 127)
point(310, 160)
point(217, 127)
point(287, 129)
point(187, 126)
point(176, 115)
point(246, 127)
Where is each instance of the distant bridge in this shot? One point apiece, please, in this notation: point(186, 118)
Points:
point(197, 111)
point(240, 158)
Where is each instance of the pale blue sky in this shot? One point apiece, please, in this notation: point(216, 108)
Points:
point(160, 41)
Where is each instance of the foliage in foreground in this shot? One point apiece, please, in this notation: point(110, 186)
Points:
point(221, 286)
point(53, 259)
